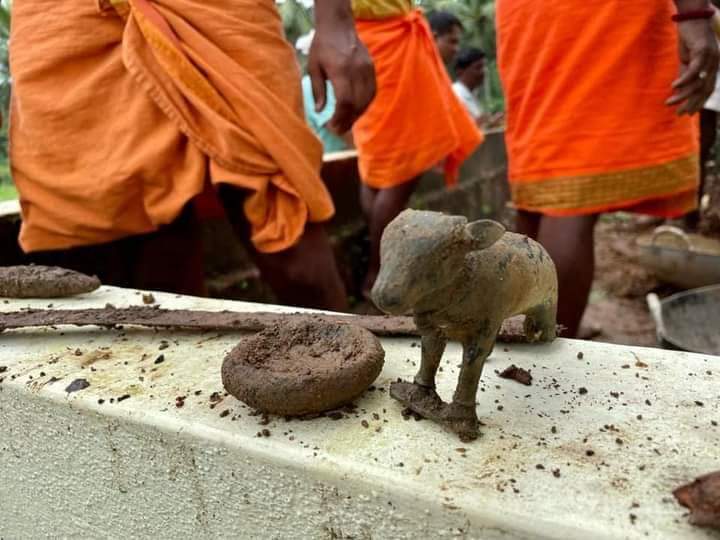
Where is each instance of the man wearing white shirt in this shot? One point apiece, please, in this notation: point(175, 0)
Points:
point(470, 73)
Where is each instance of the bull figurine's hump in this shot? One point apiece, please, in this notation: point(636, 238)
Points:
point(461, 280)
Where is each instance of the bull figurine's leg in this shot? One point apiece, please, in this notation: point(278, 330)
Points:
point(420, 396)
point(433, 347)
point(461, 414)
point(541, 322)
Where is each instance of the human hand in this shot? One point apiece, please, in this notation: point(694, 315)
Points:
point(338, 55)
point(699, 65)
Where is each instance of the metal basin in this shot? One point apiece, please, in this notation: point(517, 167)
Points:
point(689, 320)
point(685, 260)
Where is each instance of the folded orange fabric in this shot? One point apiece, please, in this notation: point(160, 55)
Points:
point(122, 110)
point(416, 121)
point(587, 128)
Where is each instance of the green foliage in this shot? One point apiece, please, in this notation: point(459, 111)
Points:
point(7, 191)
point(297, 19)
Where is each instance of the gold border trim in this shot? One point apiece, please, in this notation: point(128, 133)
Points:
point(607, 189)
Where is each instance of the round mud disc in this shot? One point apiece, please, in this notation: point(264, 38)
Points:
point(44, 282)
point(302, 368)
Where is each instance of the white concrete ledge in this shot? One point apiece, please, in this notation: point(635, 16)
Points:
point(91, 464)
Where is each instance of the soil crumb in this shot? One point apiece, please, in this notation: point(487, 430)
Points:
point(148, 299)
point(520, 375)
point(77, 385)
point(702, 498)
point(295, 369)
point(44, 282)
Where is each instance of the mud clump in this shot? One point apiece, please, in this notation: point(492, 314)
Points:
point(44, 282)
point(302, 368)
point(520, 375)
point(702, 498)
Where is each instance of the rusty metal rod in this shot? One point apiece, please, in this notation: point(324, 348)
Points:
point(153, 317)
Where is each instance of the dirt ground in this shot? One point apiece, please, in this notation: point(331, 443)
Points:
point(618, 310)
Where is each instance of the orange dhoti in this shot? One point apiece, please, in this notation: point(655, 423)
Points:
point(416, 121)
point(123, 110)
point(587, 128)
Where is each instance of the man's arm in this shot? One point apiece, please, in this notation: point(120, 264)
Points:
point(698, 58)
point(338, 55)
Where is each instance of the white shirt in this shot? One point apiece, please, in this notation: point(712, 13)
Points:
point(468, 98)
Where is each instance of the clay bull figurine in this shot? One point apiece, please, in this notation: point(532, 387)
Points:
point(461, 280)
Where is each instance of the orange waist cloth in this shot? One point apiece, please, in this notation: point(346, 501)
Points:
point(587, 128)
point(416, 121)
point(121, 114)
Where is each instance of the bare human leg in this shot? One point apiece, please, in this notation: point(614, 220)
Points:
point(305, 275)
point(382, 209)
point(528, 223)
point(169, 259)
point(708, 135)
point(570, 242)
point(367, 200)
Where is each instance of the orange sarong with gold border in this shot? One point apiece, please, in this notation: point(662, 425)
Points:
point(587, 127)
point(122, 110)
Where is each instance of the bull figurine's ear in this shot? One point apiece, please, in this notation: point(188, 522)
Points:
point(483, 233)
